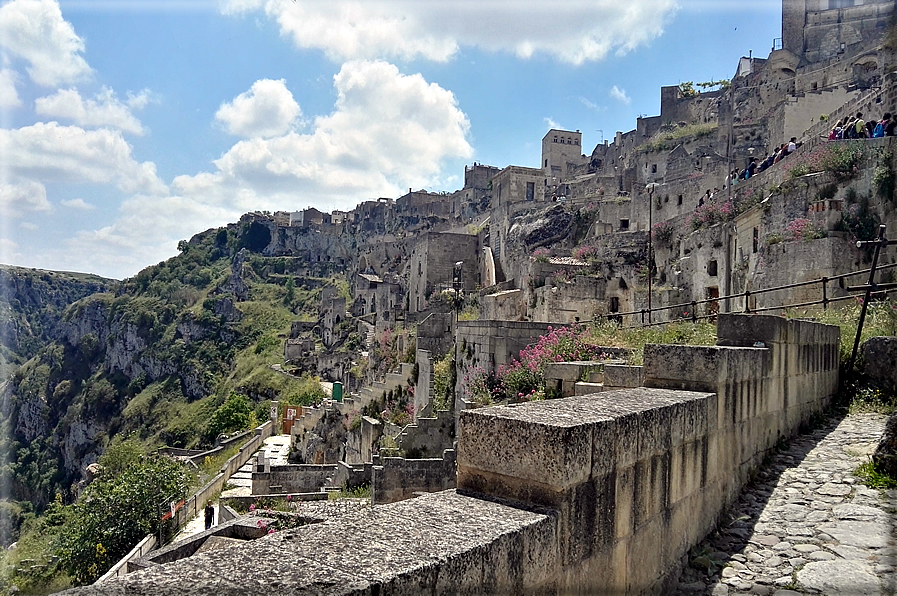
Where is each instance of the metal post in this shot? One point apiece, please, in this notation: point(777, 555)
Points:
point(824, 293)
point(650, 189)
point(882, 241)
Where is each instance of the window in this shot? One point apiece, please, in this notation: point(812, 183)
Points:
point(530, 191)
point(624, 224)
point(756, 239)
point(711, 268)
point(841, 3)
point(555, 139)
point(614, 304)
point(546, 164)
point(576, 141)
point(653, 168)
point(679, 200)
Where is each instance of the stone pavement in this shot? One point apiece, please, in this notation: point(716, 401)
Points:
point(805, 525)
point(276, 448)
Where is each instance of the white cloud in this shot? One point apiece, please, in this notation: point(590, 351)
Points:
point(591, 105)
point(69, 154)
point(388, 132)
point(9, 97)
point(26, 196)
point(574, 31)
point(27, 225)
point(620, 95)
point(138, 101)
point(79, 204)
point(143, 232)
point(35, 31)
point(104, 110)
point(266, 110)
point(551, 123)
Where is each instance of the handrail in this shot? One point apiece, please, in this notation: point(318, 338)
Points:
point(745, 295)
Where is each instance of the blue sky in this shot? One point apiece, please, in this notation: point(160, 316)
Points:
point(128, 125)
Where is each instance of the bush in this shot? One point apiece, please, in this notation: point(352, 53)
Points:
point(804, 229)
point(116, 511)
point(232, 415)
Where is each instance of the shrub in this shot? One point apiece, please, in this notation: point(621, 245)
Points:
point(804, 229)
point(662, 232)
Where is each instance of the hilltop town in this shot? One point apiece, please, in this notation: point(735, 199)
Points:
point(411, 312)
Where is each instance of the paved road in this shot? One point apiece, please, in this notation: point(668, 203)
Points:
point(806, 525)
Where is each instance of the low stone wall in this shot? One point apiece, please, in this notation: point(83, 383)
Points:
point(638, 476)
point(428, 437)
point(350, 477)
point(592, 494)
point(297, 478)
point(195, 504)
point(397, 479)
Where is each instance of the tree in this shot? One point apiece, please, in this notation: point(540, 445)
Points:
point(232, 415)
point(118, 510)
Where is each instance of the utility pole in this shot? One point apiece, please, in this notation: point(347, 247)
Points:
point(650, 188)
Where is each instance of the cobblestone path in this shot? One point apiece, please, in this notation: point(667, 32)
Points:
point(805, 525)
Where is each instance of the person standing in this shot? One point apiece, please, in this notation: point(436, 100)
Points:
point(210, 514)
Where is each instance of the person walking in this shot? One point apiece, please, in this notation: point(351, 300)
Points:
point(210, 514)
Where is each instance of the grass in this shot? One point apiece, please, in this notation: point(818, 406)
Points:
point(873, 478)
point(662, 142)
point(680, 333)
point(359, 492)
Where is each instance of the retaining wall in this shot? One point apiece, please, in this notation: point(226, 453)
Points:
point(638, 476)
point(294, 478)
point(397, 479)
point(592, 494)
point(194, 505)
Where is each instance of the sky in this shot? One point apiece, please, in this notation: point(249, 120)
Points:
point(128, 125)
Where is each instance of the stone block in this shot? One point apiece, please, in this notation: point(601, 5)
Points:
point(689, 368)
point(564, 371)
point(879, 356)
point(583, 388)
point(620, 375)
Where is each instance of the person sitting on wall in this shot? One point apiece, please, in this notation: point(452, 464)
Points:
point(837, 130)
point(792, 145)
point(890, 126)
point(860, 127)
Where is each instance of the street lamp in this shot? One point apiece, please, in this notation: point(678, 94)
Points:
point(650, 188)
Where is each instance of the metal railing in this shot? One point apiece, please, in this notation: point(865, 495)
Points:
point(692, 307)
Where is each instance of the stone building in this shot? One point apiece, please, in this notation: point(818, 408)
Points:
point(378, 299)
point(433, 261)
point(818, 30)
point(560, 148)
point(516, 184)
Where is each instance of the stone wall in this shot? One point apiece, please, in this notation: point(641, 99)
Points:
point(397, 479)
point(592, 494)
point(427, 437)
point(301, 478)
point(435, 333)
point(486, 345)
point(638, 476)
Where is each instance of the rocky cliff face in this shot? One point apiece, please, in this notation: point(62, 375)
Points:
point(32, 302)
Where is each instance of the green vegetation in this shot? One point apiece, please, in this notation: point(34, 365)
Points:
point(359, 492)
point(664, 141)
point(609, 334)
point(870, 475)
point(444, 382)
point(118, 509)
point(881, 319)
